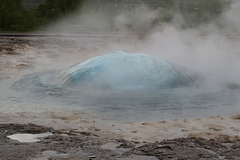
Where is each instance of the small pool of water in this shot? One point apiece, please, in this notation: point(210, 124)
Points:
point(128, 105)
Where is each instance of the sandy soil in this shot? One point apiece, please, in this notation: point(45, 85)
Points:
point(83, 135)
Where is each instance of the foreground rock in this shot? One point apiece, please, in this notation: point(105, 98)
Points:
point(190, 148)
point(70, 144)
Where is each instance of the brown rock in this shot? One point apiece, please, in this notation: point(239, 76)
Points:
point(236, 117)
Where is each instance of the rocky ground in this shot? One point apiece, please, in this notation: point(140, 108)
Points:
point(70, 144)
point(76, 137)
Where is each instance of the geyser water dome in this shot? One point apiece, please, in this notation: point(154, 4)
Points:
point(135, 87)
point(123, 70)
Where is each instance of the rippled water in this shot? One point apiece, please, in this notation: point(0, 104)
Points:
point(187, 102)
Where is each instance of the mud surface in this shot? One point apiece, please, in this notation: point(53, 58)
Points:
point(14, 56)
point(10, 45)
point(70, 144)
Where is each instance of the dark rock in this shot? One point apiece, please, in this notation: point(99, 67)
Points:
point(79, 145)
point(186, 148)
point(9, 129)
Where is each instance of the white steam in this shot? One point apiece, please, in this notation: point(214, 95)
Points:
point(211, 50)
point(230, 18)
point(140, 20)
point(214, 56)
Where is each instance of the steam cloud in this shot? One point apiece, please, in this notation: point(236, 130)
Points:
point(211, 50)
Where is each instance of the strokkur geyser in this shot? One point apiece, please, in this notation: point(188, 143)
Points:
point(123, 70)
